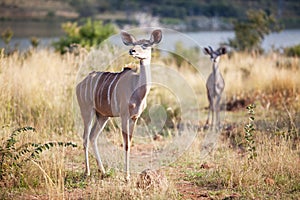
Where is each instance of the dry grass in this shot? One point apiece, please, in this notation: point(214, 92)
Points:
point(37, 90)
point(244, 73)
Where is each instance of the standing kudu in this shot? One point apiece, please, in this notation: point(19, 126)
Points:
point(215, 85)
point(102, 95)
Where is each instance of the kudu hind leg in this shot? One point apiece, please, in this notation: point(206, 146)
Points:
point(87, 120)
point(95, 132)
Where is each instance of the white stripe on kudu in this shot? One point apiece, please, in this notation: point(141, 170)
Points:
point(115, 95)
point(86, 89)
point(108, 91)
point(93, 74)
point(104, 86)
point(96, 84)
point(82, 92)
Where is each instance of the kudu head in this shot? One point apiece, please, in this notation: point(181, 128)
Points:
point(215, 55)
point(141, 48)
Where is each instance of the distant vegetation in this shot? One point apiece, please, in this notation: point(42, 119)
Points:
point(92, 33)
point(191, 15)
point(293, 51)
point(249, 34)
point(286, 11)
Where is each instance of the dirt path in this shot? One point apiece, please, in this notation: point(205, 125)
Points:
point(191, 191)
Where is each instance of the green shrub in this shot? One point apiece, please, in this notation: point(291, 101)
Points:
point(249, 133)
point(293, 51)
point(15, 154)
point(7, 35)
point(92, 33)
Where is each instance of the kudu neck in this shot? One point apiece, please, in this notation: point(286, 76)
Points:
point(216, 67)
point(145, 72)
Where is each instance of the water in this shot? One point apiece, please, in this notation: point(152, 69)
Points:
point(286, 38)
point(279, 40)
point(24, 43)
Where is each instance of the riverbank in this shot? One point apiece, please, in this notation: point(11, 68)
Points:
point(285, 38)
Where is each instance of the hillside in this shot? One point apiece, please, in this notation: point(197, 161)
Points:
point(35, 9)
point(182, 15)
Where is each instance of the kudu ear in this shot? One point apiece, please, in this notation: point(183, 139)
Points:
point(206, 51)
point(222, 50)
point(127, 38)
point(156, 37)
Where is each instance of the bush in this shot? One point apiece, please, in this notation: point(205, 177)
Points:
point(92, 33)
point(250, 33)
point(293, 51)
point(14, 155)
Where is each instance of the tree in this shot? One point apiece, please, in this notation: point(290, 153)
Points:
point(250, 33)
point(6, 36)
point(92, 33)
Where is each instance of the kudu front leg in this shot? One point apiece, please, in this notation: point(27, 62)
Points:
point(206, 126)
point(218, 108)
point(127, 131)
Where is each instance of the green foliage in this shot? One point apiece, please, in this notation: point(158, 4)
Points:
point(34, 42)
point(92, 33)
point(75, 179)
point(220, 8)
point(170, 11)
point(249, 133)
point(7, 35)
point(14, 154)
point(293, 51)
point(250, 33)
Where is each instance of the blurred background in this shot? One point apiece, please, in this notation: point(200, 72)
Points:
point(41, 21)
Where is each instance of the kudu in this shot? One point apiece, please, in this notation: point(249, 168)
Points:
point(215, 85)
point(102, 95)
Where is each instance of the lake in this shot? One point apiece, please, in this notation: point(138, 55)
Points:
point(282, 39)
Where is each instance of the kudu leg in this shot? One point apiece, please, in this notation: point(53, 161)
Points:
point(210, 113)
point(206, 126)
point(218, 124)
point(87, 120)
point(95, 132)
point(127, 131)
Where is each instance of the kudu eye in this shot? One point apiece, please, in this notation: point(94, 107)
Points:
point(131, 51)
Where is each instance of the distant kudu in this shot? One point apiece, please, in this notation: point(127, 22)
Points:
point(215, 85)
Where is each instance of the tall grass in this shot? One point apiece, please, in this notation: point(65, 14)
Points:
point(36, 89)
point(268, 73)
